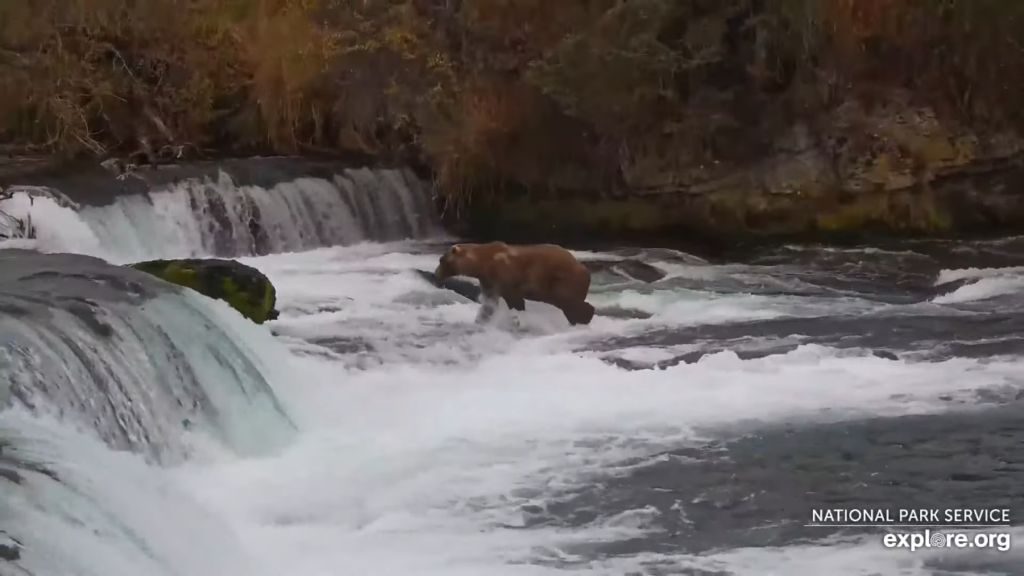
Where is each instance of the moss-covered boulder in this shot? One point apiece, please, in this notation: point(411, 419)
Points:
point(245, 288)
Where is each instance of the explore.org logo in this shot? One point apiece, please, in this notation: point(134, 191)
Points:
point(928, 539)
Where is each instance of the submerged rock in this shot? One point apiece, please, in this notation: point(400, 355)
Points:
point(630, 268)
point(245, 288)
point(10, 549)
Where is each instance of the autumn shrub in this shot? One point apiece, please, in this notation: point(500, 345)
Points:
point(86, 76)
point(960, 56)
point(98, 76)
point(496, 95)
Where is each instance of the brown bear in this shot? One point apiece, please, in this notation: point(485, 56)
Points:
point(539, 272)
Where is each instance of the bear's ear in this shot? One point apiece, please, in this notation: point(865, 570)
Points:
point(454, 250)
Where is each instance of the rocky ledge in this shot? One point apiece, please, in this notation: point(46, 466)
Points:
point(892, 169)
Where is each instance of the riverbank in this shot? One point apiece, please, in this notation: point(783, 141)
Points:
point(789, 118)
point(892, 170)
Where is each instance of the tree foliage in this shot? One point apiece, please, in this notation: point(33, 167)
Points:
point(548, 96)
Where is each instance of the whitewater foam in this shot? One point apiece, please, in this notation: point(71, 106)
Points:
point(79, 508)
point(57, 228)
point(409, 466)
point(989, 283)
point(442, 463)
point(947, 276)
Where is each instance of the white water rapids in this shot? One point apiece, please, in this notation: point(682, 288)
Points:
point(422, 437)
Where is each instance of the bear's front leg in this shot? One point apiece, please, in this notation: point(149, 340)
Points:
point(490, 299)
point(487, 309)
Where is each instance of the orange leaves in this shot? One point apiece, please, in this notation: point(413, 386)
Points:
point(470, 151)
point(851, 25)
point(520, 30)
point(284, 53)
point(861, 18)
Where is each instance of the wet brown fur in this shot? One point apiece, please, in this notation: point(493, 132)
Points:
point(540, 272)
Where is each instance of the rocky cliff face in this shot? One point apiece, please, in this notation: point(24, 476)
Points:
point(892, 169)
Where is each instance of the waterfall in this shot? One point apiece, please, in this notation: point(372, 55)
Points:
point(69, 506)
point(108, 374)
point(134, 359)
point(97, 357)
point(222, 212)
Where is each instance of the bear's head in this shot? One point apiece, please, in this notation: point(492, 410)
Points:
point(453, 262)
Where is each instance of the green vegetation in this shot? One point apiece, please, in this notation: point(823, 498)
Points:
point(245, 289)
point(547, 96)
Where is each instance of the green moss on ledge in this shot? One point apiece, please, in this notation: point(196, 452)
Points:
point(898, 213)
point(244, 288)
point(725, 214)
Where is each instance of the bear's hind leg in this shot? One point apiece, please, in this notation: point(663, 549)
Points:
point(515, 302)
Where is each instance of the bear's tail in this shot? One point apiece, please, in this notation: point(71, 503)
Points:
point(579, 313)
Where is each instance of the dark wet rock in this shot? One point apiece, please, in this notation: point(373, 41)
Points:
point(929, 336)
point(660, 254)
point(10, 475)
point(952, 286)
point(34, 285)
point(89, 313)
point(344, 345)
point(639, 270)
point(464, 288)
point(886, 168)
point(10, 549)
point(884, 354)
point(245, 288)
point(631, 268)
point(12, 466)
point(623, 313)
point(71, 276)
point(12, 228)
point(696, 355)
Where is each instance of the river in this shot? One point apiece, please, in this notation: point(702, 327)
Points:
point(376, 428)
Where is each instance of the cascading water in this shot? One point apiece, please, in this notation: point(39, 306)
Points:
point(68, 505)
point(133, 358)
point(134, 362)
point(213, 214)
point(97, 357)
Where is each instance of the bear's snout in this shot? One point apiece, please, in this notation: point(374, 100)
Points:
point(443, 270)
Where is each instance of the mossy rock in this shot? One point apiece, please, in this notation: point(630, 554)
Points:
point(245, 288)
